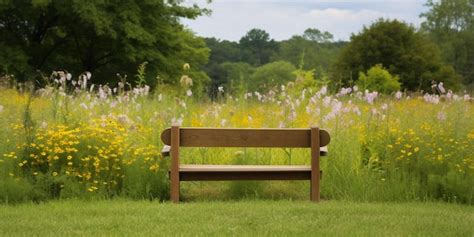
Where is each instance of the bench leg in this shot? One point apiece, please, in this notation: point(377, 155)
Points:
point(314, 190)
point(315, 168)
point(174, 188)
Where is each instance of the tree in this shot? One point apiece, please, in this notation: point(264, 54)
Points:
point(221, 51)
point(398, 47)
point(103, 37)
point(378, 79)
point(257, 47)
point(316, 35)
point(451, 25)
point(308, 54)
point(237, 76)
point(271, 75)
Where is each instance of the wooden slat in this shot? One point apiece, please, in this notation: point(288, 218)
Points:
point(239, 168)
point(243, 172)
point(236, 137)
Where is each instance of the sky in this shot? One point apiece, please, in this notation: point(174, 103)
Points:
point(231, 19)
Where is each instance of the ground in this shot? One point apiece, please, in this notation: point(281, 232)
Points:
point(255, 218)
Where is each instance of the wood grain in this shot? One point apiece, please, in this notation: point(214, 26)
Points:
point(315, 169)
point(238, 137)
point(174, 174)
point(243, 172)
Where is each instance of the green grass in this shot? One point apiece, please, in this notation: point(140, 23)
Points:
point(255, 218)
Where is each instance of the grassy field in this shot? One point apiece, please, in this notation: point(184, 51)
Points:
point(101, 142)
point(255, 218)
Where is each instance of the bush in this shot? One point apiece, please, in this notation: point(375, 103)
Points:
point(271, 75)
point(378, 79)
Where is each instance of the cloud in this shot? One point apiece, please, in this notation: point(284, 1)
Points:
point(282, 19)
point(342, 22)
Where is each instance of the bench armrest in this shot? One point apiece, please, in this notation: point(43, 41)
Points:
point(323, 151)
point(166, 150)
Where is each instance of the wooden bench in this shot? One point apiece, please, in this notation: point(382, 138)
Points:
point(176, 137)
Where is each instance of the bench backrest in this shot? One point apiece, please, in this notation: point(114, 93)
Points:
point(245, 137)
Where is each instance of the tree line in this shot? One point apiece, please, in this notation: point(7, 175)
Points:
point(114, 38)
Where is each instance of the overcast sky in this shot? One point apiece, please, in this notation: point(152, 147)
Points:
point(231, 19)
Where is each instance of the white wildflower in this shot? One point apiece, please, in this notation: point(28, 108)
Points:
point(223, 122)
point(177, 122)
point(83, 105)
point(370, 96)
point(441, 116)
point(44, 125)
point(441, 88)
point(189, 93)
point(398, 95)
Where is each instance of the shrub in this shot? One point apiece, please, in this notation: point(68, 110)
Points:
point(378, 79)
point(271, 75)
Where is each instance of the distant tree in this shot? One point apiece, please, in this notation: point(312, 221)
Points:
point(308, 54)
point(257, 47)
point(316, 35)
point(378, 79)
point(104, 37)
point(271, 75)
point(238, 76)
point(451, 25)
point(223, 51)
point(398, 47)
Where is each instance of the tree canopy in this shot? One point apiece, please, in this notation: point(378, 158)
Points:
point(398, 47)
point(450, 23)
point(257, 47)
point(103, 37)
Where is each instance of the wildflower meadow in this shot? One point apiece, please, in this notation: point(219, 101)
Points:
point(75, 139)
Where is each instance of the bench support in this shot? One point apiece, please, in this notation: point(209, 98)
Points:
point(174, 175)
point(315, 169)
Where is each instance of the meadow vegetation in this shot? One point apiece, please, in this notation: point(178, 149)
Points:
point(75, 139)
point(397, 101)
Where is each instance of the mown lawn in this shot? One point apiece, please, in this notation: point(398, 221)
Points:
point(256, 218)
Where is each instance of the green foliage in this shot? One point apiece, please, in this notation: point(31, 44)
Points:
point(308, 54)
point(316, 35)
point(140, 81)
point(237, 76)
point(450, 23)
point(223, 50)
point(271, 75)
point(399, 48)
point(257, 47)
point(104, 38)
point(378, 79)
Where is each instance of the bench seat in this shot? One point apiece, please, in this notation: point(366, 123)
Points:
point(243, 172)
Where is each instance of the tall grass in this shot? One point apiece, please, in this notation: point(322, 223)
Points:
point(104, 142)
